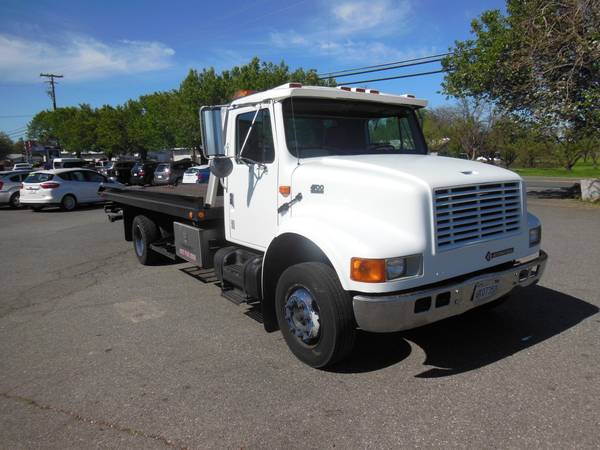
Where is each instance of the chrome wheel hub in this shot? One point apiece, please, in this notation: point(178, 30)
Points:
point(302, 316)
point(139, 243)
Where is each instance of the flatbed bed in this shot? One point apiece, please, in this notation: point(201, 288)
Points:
point(184, 201)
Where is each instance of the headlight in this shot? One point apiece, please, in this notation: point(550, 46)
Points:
point(395, 268)
point(535, 236)
point(370, 270)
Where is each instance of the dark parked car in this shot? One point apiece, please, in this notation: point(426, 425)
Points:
point(121, 171)
point(171, 172)
point(143, 172)
point(106, 168)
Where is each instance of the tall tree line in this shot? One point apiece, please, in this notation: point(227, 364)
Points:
point(160, 120)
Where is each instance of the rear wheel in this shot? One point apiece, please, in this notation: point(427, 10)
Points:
point(15, 200)
point(68, 203)
point(315, 314)
point(145, 232)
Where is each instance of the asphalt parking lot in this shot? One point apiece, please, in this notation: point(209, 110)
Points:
point(100, 352)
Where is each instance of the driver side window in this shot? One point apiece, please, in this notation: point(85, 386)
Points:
point(259, 146)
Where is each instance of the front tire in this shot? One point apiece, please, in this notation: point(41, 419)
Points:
point(68, 203)
point(145, 232)
point(315, 314)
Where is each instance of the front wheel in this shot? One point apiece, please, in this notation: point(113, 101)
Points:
point(315, 314)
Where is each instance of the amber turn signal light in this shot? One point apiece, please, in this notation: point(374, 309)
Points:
point(367, 270)
point(285, 190)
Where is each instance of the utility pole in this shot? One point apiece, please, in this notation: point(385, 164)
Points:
point(51, 82)
point(52, 94)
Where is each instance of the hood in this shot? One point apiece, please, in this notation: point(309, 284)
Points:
point(434, 171)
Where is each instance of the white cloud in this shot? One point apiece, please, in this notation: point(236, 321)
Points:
point(79, 57)
point(379, 16)
point(353, 31)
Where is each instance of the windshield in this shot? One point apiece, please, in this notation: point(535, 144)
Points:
point(319, 127)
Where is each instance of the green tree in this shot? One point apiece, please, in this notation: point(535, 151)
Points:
point(6, 145)
point(19, 146)
point(207, 87)
point(541, 62)
point(111, 133)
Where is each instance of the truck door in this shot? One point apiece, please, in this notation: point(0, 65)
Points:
point(251, 194)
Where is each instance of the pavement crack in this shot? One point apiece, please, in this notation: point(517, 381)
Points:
point(171, 443)
point(66, 281)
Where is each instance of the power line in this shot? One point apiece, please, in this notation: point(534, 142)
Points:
point(336, 73)
point(20, 133)
point(17, 130)
point(398, 66)
point(51, 82)
point(410, 75)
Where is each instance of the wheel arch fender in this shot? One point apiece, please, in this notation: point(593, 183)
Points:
point(294, 245)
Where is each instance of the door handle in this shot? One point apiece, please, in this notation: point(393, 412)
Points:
point(231, 201)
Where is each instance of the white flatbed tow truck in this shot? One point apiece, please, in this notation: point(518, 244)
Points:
point(325, 207)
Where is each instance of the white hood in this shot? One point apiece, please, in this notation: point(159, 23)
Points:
point(435, 171)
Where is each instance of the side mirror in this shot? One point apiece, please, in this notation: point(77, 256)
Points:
point(221, 167)
point(211, 127)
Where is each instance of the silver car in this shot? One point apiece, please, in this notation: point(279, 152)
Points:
point(10, 183)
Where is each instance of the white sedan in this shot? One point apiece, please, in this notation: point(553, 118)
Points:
point(196, 174)
point(62, 187)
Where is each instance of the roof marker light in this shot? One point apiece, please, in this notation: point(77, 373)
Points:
point(345, 88)
point(294, 85)
point(372, 91)
point(359, 90)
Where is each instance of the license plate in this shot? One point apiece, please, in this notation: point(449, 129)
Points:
point(485, 290)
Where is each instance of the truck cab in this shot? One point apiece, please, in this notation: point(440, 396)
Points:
point(343, 177)
point(335, 217)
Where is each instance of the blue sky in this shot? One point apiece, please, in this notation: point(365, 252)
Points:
point(111, 51)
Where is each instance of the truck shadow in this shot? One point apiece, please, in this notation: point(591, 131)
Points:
point(475, 339)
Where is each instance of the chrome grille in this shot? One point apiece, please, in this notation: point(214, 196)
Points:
point(466, 214)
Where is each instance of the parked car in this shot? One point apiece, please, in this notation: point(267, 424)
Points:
point(66, 188)
point(121, 171)
point(196, 174)
point(143, 172)
point(22, 166)
point(171, 172)
point(495, 160)
point(66, 163)
point(106, 167)
point(99, 165)
point(10, 185)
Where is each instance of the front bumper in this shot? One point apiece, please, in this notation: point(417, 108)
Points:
point(404, 311)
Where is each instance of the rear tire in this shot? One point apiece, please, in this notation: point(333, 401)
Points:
point(315, 314)
point(68, 203)
point(15, 200)
point(145, 232)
